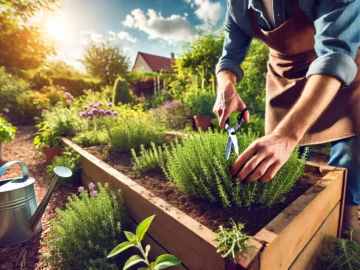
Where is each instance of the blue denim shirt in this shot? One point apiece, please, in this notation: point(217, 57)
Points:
point(337, 37)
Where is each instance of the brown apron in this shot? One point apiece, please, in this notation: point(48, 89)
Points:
point(291, 53)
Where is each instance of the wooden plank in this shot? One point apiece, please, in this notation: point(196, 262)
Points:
point(184, 237)
point(308, 257)
point(291, 230)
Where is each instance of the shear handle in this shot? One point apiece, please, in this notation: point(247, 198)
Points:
point(239, 117)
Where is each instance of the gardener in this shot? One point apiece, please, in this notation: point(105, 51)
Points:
point(312, 88)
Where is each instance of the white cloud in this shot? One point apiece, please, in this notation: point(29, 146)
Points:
point(172, 29)
point(91, 36)
point(207, 11)
point(126, 36)
point(111, 33)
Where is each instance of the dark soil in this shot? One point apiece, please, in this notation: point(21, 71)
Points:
point(208, 214)
point(29, 255)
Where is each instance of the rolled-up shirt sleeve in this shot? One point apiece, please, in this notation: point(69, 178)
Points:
point(337, 39)
point(236, 44)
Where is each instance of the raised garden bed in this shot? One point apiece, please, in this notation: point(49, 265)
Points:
point(292, 239)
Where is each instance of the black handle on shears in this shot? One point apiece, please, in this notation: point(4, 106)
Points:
point(239, 117)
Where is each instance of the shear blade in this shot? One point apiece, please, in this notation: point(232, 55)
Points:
point(228, 148)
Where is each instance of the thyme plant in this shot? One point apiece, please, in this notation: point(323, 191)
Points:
point(148, 159)
point(134, 240)
point(344, 255)
point(197, 166)
point(232, 240)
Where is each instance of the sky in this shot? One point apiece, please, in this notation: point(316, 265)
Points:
point(152, 26)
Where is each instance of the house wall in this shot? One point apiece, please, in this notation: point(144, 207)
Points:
point(140, 65)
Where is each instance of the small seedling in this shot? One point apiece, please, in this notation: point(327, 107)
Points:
point(232, 240)
point(134, 240)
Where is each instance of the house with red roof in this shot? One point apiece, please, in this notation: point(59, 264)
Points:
point(153, 63)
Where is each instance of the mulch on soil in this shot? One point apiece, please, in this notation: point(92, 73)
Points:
point(29, 255)
point(208, 214)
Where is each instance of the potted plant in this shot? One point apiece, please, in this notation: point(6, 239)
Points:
point(201, 105)
point(48, 140)
point(7, 132)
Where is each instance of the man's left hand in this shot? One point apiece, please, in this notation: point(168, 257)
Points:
point(263, 158)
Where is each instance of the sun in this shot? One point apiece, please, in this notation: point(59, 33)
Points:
point(56, 27)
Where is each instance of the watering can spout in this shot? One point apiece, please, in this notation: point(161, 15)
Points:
point(60, 172)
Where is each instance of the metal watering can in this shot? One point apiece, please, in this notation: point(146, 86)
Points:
point(20, 217)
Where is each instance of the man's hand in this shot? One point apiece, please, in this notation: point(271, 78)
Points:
point(263, 158)
point(228, 100)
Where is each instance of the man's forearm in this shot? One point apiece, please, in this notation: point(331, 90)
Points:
point(224, 77)
point(319, 91)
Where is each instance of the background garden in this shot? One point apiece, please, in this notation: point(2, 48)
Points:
point(118, 113)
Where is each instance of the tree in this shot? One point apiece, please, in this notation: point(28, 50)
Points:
point(201, 55)
point(105, 61)
point(23, 44)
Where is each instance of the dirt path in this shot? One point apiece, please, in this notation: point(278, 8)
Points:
point(29, 255)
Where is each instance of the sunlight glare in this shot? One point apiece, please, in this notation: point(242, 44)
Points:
point(55, 25)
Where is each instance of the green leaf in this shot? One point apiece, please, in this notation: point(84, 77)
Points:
point(143, 227)
point(147, 249)
point(135, 259)
point(143, 268)
point(165, 261)
point(131, 237)
point(120, 248)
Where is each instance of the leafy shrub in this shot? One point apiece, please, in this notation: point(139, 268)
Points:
point(76, 86)
point(7, 131)
point(134, 240)
point(70, 159)
point(91, 138)
point(133, 132)
point(232, 240)
point(88, 229)
point(121, 92)
point(143, 87)
point(149, 159)
point(200, 102)
point(344, 254)
point(197, 166)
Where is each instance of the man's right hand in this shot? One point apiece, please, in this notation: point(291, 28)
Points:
point(228, 100)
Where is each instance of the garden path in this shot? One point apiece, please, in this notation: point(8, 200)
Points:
point(29, 255)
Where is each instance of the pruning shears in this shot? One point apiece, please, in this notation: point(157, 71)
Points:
point(232, 140)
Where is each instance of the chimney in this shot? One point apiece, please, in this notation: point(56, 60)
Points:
point(172, 58)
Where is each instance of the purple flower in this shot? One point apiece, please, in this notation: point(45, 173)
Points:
point(81, 189)
point(108, 112)
point(82, 114)
point(114, 197)
point(69, 96)
point(102, 112)
point(110, 104)
point(115, 113)
point(95, 111)
point(100, 104)
point(80, 195)
point(90, 113)
point(94, 193)
point(91, 186)
point(91, 105)
point(85, 108)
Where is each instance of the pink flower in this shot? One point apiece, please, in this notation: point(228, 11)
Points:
point(115, 113)
point(81, 189)
point(91, 186)
point(94, 193)
point(110, 104)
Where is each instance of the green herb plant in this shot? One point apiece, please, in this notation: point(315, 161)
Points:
point(232, 240)
point(47, 135)
point(344, 254)
point(7, 131)
point(149, 159)
point(134, 240)
point(197, 166)
point(69, 159)
point(88, 229)
point(200, 102)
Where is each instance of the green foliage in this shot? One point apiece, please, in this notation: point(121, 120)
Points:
point(70, 159)
point(200, 102)
point(149, 159)
point(91, 138)
point(232, 240)
point(131, 132)
point(134, 240)
point(121, 92)
point(23, 43)
point(201, 55)
point(7, 131)
point(197, 166)
point(106, 62)
point(47, 135)
point(87, 229)
point(344, 254)
point(76, 86)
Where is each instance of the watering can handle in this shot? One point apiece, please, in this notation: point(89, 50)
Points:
point(23, 166)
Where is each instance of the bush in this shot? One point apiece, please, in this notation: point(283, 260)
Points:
point(7, 131)
point(149, 159)
point(70, 159)
point(133, 132)
point(197, 166)
point(143, 87)
point(200, 102)
point(92, 138)
point(76, 86)
point(121, 92)
point(88, 229)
